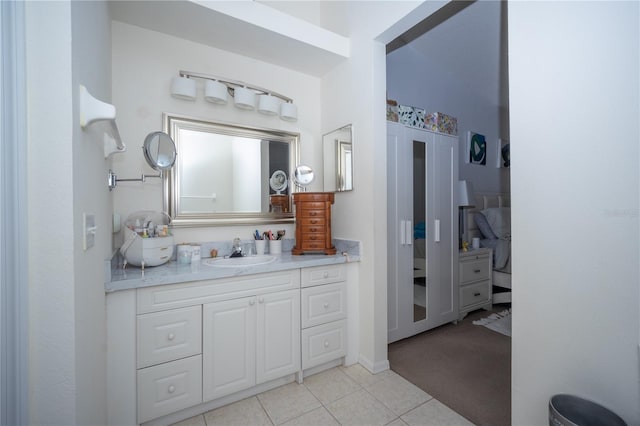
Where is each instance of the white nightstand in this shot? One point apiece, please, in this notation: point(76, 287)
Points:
point(474, 280)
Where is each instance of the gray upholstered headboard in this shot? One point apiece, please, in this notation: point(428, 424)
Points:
point(484, 201)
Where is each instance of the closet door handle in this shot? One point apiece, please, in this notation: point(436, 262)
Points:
point(436, 232)
point(402, 232)
point(408, 233)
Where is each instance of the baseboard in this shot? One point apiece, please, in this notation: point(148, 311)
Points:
point(374, 368)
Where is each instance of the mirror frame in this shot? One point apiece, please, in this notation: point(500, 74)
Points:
point(333, 166)
point(172, 124)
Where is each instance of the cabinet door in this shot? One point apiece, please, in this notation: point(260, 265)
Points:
point(442, 306)
point(278, 348)
point(228, 347)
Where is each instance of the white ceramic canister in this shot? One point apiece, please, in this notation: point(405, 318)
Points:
point(195, 253)
point(183, 254)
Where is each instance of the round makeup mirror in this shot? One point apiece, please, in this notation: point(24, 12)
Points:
point(303, 176)
point(159, 151)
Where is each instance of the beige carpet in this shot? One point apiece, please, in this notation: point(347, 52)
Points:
point(466, 367)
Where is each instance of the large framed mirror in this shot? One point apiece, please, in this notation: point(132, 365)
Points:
point(338, 159)
point(228, 174)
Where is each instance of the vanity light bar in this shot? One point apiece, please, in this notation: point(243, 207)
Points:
point(235, 83)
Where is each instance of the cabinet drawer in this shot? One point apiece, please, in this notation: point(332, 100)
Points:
point(323, 304)
point(312, 221)
point(323, 343)
point(165, 388)
point(474, 293)
point(312, 205)
point(322, 275)
point(311, 213)
point(475, 270)
point(169, 335)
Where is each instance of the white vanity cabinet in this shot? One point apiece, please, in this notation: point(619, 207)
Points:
point(178, 350)
point(249, 341)
point(324, 313)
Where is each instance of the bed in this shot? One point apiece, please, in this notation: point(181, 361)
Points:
point(490, 220)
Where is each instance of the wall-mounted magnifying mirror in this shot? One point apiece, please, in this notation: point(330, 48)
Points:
point(160, 152)
point(338, 159)
point(303, 176)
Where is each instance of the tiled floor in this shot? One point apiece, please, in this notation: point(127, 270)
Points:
point(340, 396)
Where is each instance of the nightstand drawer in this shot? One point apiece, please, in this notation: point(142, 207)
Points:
point(475, 293)
point(475, 270)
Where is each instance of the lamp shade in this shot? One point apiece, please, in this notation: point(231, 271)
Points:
point(215, 92)
point(244, 98)
point(183, 88)
point(288, 111)
point(268, 104)
point(466, 196)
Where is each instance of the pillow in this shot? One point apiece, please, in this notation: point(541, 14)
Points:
point(499, 219)
point(483, 226)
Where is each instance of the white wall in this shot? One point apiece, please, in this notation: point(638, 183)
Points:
point(70, 40)
point(50, 203)
point(574, 103)
point(417, 81)
point(144, 63)
point(91, 48)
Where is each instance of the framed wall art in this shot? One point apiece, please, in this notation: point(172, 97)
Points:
point(504, 154)
point(476, 149)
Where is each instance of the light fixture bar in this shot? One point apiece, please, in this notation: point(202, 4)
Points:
point(234, 83)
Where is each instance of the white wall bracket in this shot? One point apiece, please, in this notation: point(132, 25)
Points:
point(93, 110)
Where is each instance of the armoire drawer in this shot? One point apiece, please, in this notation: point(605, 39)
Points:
point(169, 335)
point(323, 343)
point(475, 293)
point(475, 270)
point(323, 304)
point(169, 387)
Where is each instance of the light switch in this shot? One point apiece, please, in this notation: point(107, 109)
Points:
point(89, 230)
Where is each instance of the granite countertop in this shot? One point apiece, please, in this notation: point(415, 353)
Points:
point(132, 277)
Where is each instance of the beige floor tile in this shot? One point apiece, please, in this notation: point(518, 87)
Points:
point(331, 385)
point(398, 394)
point(435, 413)
point(397, 422)
point(288, 402)
point(362, 376)
point(360, 408)
point(318, 417)
point(241, 413)
point(193, 421)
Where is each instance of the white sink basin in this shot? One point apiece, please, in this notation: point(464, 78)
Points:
point(234, 262)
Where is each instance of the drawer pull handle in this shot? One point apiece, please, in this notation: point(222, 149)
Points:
point(326, 343)
point(261, 300)
point(164, 248)
point(313, 213)
point(476, 294)
point(326, 305)
point(171, 389)
point(314, 221)
point(477, 271)
point(171, 336)
point(252, 302)
point(325, 275)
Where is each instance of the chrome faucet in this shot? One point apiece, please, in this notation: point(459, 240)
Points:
point(236, 250)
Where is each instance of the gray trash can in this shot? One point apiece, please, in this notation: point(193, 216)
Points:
point(570, 410)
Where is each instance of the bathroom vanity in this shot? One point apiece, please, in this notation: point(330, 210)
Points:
point(188, 339)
